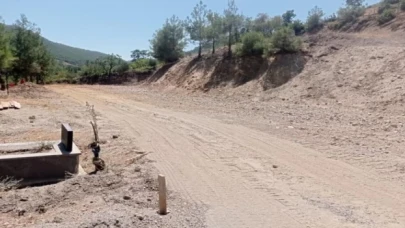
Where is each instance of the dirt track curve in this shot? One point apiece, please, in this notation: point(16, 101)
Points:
point(248, 178)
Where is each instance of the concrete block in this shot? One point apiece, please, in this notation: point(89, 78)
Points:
point(10, 147)
point(67, 137)
point(53, 164)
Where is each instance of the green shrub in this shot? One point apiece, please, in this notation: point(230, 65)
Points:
point(237, 49)
point(386, 16)
point(252, 44)
point(298, 27)
point(314, 20)
point(143, 65)
point(383, 6)
point(354, 2)
point(402, 5)
point(334, 25)
point(349, 14)
point(391, 1)
point(285, 41)
point(331, 18)
point(121, 68)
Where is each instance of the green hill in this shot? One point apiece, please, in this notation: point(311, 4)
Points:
point(68, 54)
point(71, 55)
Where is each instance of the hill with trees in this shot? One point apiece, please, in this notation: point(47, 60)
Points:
point(71, 55)
point(237, 36)
point(265, 51)
point(67, 54)
point(26, 56)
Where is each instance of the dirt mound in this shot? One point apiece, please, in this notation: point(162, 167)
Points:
point(336, 67)
point(217, 71)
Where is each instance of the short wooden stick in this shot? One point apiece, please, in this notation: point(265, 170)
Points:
point(162, 195)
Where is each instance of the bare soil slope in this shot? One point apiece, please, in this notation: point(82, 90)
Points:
point(217, 71)
point(356, 69)
point(336, 67)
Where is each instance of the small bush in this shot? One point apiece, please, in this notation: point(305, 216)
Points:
point(314, 20)
point(143, 65)
point(383, 6)
point(391, 1)
point(334, 25)
point(284, 40)
point(121, 68)
point(298, 27)
point(402, 5)
point(237, 49)
point(8, 183)
point(252, 44)
point(386, 16)
point(355, 3)
point(331, 18)
point(349, 14)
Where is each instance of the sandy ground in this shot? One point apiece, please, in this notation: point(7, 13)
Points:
point(323, 150)
point(255, 162)
point(124, 196)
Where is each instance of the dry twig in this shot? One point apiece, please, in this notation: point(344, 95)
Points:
point(93, 123)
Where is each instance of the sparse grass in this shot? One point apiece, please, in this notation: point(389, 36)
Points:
point(8, 183)
point(69, 175)
point(44, 147)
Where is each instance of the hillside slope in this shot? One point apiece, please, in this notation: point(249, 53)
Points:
point(68, 54)
point(72, 55)
point(217, 71)
point(336, 67)
point(356, 69)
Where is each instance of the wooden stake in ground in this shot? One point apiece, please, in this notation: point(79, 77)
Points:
point(7, 84)
point(162, 195)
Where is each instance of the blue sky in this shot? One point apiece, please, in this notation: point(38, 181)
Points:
point(119, 26)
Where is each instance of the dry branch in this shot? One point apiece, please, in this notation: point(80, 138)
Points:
point(93, 123)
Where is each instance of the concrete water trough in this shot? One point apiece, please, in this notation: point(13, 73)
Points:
point(40, 162)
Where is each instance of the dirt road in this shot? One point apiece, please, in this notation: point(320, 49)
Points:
point(246, 177)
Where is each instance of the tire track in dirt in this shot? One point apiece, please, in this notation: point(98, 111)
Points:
point(231, 171)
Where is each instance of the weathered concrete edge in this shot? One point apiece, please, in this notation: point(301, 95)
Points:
point(25, 146)
point(60, 149)
point(55, 153)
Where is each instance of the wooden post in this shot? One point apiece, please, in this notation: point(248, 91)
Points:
point(162, 195)
point(7, 84)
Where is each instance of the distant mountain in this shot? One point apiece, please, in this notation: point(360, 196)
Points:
point(71, 55)
point(67, 54)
